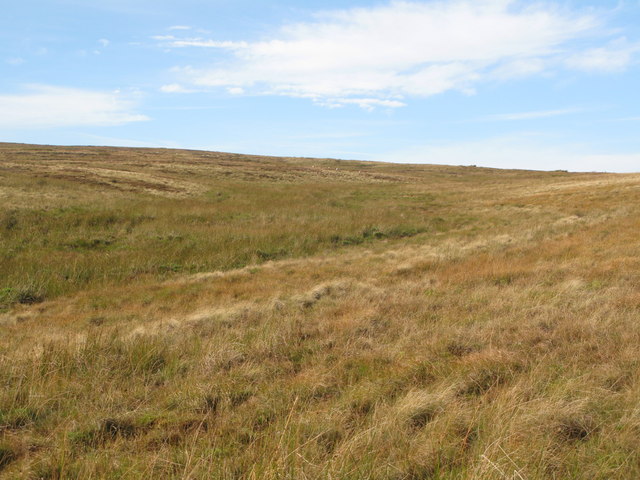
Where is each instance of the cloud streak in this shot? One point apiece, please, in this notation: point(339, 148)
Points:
point(400, 50)
point(43, 106)
point(532, 115)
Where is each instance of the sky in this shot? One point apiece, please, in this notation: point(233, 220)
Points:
point(511, 84)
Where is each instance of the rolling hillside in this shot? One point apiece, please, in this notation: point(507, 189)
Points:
point(185, 314)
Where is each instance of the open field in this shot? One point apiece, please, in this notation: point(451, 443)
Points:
point(181, 314)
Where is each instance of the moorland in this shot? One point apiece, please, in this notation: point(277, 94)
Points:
point(186, 314)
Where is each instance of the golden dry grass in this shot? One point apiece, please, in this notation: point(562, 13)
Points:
point(494, 335)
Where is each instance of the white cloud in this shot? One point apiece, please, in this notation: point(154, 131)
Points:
point(170, 41)
point(15, 61)
point(104, 42)
point(174, 88)
point(532, 115)
point(43, 106)
point(615, 57)
point(180, 27)
point(388, 52)
point(517, 151)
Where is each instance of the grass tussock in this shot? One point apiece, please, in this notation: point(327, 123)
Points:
point(171, 314)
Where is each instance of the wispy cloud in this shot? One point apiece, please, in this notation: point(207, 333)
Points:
point(170, 41)
point(614, 57)
point(628, 119)
point(15, 61)
point(43, 106)
point(365, 103)
point(180, 27)
point(532, 115)
point(399, 50)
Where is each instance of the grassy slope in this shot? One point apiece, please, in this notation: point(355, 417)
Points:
point(198, 315)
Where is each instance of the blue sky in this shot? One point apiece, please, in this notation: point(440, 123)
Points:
point(513, 84)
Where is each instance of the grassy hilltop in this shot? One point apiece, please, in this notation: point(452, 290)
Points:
point(184, 314)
